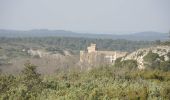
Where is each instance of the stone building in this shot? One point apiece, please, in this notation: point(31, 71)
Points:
point(93, 57)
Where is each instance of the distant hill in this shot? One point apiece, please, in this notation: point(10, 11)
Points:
point(147, 36)
point(150, 36)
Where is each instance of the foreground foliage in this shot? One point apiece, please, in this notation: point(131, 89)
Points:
point(102, 83)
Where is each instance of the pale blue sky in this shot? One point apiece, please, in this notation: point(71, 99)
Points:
point(86, 15)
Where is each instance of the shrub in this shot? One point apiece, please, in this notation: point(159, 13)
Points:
point(130, 64)
point(165, 66)
point(151, 57)
point(152, 60)
point(141, 94)
point(118, 62)
point(31, 79)
point(96, 84)
point(165, 92)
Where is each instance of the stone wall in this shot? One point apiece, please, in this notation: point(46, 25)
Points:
point(92, 57)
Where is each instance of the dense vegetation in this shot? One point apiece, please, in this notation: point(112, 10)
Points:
point(154, 61)
point(100, 83)
point(12, 48)
point(60, 43)
point(123, 81)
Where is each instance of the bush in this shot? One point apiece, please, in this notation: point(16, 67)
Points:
point(151, 57)
point(165, 66)
point(31, 79)
point(97, 84)
point(141, 94)
point(130, 64)
point(165, 93)
point(153, 61)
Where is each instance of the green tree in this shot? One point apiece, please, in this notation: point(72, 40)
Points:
point(30, 75)
point(32, 81)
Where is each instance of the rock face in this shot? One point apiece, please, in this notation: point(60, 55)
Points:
point(139, 55)
point(42, 53)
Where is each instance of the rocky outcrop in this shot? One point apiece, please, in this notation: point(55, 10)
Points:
point(139, 55)
point(43, 53)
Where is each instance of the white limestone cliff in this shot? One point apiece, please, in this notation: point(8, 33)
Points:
point(141, 53)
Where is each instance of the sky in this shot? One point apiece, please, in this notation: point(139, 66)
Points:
point(95, 16)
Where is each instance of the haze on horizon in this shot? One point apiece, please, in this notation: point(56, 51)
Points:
point(99, 16)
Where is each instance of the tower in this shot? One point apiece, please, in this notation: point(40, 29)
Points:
point(91, 48)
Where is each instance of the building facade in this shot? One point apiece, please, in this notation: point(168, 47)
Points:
point(93, 57)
